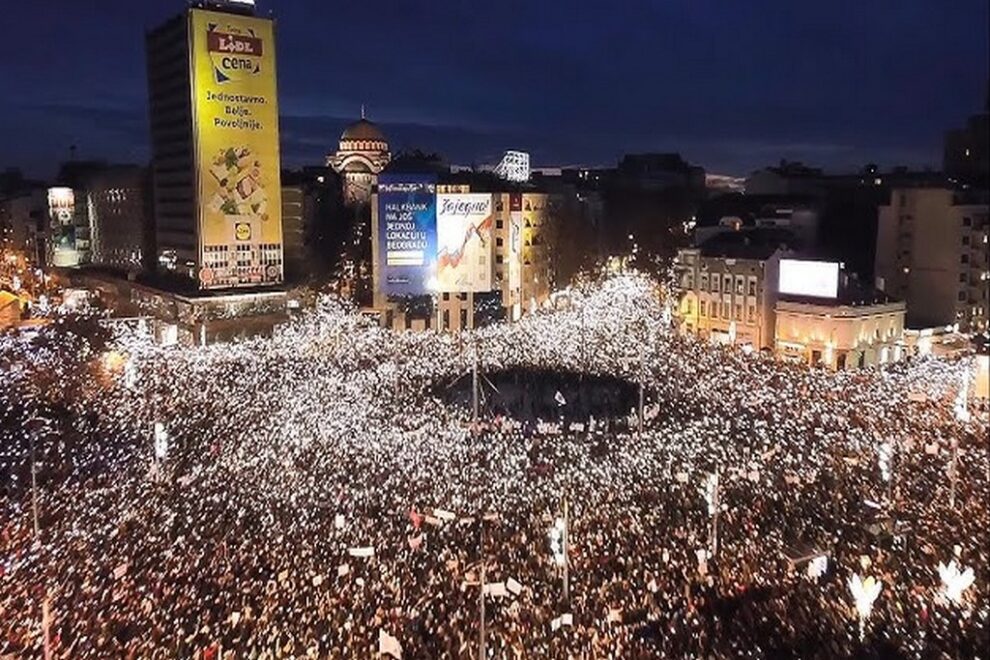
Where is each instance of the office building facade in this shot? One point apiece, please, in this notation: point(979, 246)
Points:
point(215, 147)
point(728, 286)
point(932, 253)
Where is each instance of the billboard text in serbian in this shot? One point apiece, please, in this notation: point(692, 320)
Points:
point(464, 242)
point(407, 234)
point(235, 109)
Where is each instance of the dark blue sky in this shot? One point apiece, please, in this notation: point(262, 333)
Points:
point(732, 85)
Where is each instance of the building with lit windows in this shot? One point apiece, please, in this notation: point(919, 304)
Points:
point(932, 252)
point(854, 330)
point(23, 222)
point(118, 207)
point(966, 155)
point(519, 267)
point(215, 160)
point(727, 290)
point(68, 228)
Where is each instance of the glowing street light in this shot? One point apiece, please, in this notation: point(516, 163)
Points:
point(954, 580)
point(864, 594)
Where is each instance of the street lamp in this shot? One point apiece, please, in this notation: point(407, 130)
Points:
point(954, 580)
point(712, 498)
point(34, 426)
point(558, 548)
point(865, 593)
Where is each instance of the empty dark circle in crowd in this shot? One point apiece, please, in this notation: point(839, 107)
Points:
point(534, 394)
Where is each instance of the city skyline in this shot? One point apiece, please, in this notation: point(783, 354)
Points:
point(711, 82)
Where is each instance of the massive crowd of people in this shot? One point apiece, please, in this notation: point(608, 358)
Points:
point(314, 495)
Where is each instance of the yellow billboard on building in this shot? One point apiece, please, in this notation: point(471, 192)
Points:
point(236, 147)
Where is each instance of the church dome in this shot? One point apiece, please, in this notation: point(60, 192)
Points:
point(362, 130)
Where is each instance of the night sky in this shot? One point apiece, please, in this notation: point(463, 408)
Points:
point(732, 85)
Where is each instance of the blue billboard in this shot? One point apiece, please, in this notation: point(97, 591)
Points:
point(407, 233)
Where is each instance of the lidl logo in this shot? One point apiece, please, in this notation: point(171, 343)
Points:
point(235, 52)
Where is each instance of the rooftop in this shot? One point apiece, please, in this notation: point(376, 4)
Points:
point(363, 129)
point(758, 243)
point(852, 293)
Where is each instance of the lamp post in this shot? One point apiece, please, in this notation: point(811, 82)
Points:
point(474, 386)
point(34, 490)
point(712, 497)
point(642, 368)
point(33, 425)
point(953, 473)
point(566, 534)
point(558, 547)
point(481, 636)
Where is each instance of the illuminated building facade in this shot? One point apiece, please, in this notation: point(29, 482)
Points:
point(840, 335)
point(520, 269)
point(360, 157)
point(68, 228)
point(727, 286)
point(215, 146)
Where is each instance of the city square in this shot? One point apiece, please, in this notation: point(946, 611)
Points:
point(565, 331)
point(302, 495)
